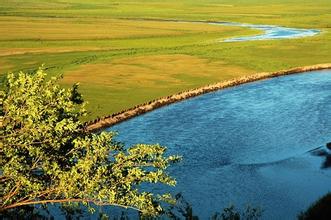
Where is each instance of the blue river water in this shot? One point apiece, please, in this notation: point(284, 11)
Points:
point(251, 144)
point(270, 32)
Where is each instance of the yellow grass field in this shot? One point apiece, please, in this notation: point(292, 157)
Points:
point(125, 53)
point(164, 74)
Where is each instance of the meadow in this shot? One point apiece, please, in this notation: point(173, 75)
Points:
point(125, 53)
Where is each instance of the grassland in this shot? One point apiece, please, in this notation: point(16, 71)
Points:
point(123, 55)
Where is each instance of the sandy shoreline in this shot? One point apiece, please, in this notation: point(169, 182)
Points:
point(115, 118)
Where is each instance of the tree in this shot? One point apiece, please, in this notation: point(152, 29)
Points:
point(321, 209)
point(46, 156)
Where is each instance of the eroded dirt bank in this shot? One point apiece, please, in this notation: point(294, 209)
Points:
point(115, 118)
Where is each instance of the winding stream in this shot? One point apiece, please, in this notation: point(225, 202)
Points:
point(271, 32)
point(251, 144)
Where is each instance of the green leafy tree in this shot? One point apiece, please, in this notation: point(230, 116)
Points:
point(46, 156)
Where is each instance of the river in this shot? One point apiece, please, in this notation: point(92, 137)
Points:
point(251, 144)
point(269, 32)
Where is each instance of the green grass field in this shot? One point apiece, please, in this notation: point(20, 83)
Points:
point(121, 60)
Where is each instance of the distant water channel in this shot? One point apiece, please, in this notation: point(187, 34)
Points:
point(251, 144)
point(270, 32)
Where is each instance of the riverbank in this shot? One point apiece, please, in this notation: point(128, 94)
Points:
point(115, 118)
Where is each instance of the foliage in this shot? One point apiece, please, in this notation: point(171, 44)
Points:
point(231, 213)
point(321, 209)
point(180, 210)
point(46, 156)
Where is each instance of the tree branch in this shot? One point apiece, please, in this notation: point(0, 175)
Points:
point(12, 193)
point(29, 202)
